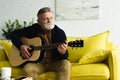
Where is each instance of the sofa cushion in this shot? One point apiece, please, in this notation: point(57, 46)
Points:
point(4, 63)
point(98, 71)
point(6, 46)
point(17, 72)
point(91, 43)
point(94, 56)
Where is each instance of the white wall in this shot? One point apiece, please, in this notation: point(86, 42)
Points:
point(25, 10)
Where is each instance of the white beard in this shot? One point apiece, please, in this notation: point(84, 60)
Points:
point(48, 26)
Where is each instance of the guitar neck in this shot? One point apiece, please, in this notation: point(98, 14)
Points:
point(77, 43)
point(45, 47)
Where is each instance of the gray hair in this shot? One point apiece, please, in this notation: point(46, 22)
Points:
point(43, 10)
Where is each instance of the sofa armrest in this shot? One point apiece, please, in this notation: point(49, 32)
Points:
point(114, 64)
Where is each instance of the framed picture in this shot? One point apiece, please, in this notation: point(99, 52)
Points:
point(76, 9)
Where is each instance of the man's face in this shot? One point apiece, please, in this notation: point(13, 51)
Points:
point(46, 20)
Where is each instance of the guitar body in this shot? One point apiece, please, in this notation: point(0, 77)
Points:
point(16, 59)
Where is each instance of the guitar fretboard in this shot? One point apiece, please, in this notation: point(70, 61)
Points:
point(44, 47)
point(77, 43)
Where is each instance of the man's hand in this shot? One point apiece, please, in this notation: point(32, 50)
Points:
point(62, 48)
point(25, 51)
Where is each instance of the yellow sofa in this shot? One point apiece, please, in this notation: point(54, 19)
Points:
point(96, 60)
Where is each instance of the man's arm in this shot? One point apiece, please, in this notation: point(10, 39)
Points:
point(16, 35)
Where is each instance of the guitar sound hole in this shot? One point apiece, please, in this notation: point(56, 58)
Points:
point(32, 49)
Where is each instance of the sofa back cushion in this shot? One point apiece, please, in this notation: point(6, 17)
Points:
point(94, 57)
point(91, 43)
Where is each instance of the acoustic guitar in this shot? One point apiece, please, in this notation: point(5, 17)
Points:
point(35, 44)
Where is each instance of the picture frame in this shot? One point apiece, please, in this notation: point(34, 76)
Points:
point(76, 9)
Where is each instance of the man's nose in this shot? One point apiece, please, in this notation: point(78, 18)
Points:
point(49, 21)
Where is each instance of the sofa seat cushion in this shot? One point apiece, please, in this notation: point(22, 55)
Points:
point(17, 72)
point(98, 71)
point(4, 63)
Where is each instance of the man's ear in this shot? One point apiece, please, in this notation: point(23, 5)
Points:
point(38, 21)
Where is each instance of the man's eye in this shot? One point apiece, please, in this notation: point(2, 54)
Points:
point(44, 18)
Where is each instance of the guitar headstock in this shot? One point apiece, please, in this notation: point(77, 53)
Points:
point(76, 43)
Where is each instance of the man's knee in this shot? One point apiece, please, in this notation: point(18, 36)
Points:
point(66, 65)
point(28, 68)
point(33, 67)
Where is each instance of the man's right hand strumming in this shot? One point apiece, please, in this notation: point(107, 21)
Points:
point(25, 51)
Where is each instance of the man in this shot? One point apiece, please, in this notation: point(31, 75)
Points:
point(50, 60)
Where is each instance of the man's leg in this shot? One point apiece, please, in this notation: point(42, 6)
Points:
point(33, 70)
point(62, 67)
